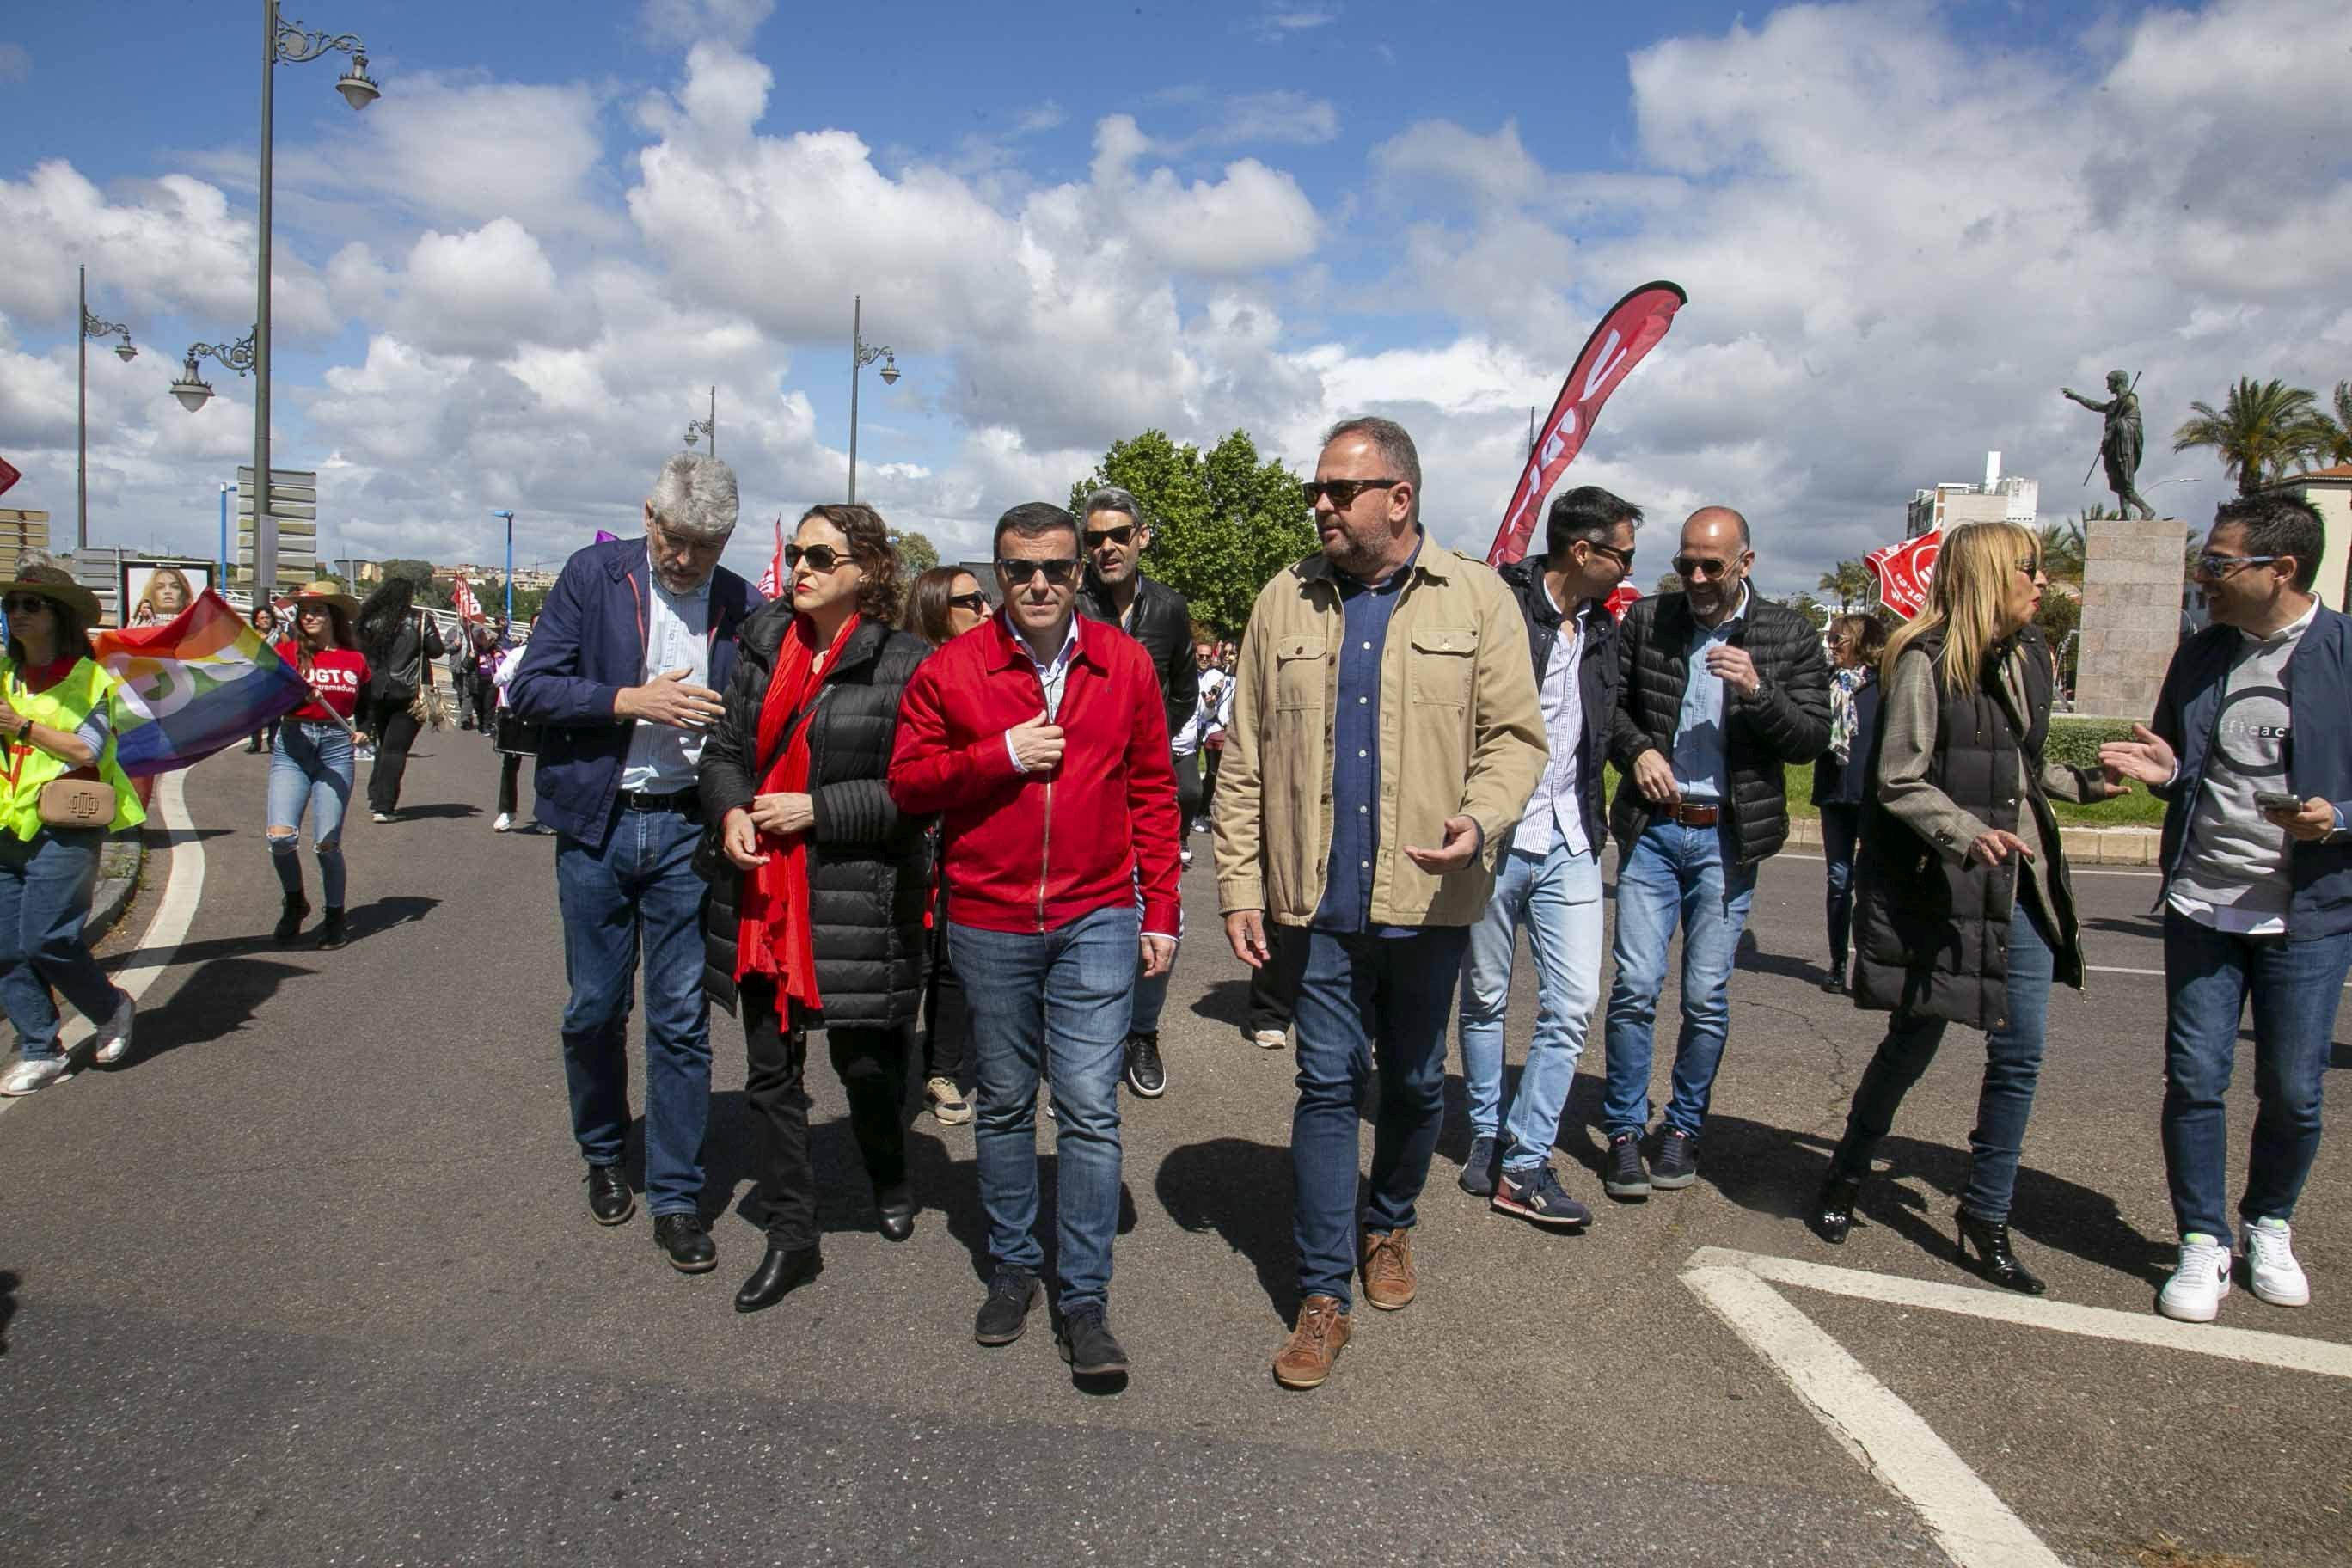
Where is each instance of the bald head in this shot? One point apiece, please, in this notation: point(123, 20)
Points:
point(1713, 525)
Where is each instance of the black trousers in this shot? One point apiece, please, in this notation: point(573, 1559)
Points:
point(1211, 759)
point(1274, 987)
point(872, 1065)
point(947, 1019)
point(395, 732)
point(486, 703)
point(510, 767)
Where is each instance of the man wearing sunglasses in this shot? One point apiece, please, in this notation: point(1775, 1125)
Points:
point(2250, 753)
point(1719, 691)
point(622, 674)
point(1041, 738)
point(1385, 737)
point(1119, 594)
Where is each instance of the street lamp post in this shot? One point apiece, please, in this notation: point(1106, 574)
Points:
point(92, 327)
point(223, 584)
point(509, 517)
point(861, 354)
point(705, 426)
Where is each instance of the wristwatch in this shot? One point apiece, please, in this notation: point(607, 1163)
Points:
point(24, 727)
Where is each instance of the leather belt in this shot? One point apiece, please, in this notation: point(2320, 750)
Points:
point(640, 800)
point(1691, 816)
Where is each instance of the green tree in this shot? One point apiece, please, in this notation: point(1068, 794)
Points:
point(917, 554)
point(1669, 583)
point(1223, 522)
point(2335, 434)
point(2060, 617)
point(1805, 604)
point(2259, 431)
point(1848, 583)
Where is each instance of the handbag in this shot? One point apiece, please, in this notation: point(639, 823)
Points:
point(428, 707)
point(77, 802)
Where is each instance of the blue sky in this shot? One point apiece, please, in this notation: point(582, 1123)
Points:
point(508, 284)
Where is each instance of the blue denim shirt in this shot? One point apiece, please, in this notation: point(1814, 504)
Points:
point(1356, 749)
point(1698, 732)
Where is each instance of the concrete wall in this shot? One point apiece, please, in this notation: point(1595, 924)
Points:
point(2131, 615)
point(2333, 499)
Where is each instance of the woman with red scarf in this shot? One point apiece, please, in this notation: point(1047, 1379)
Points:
point(817, 881)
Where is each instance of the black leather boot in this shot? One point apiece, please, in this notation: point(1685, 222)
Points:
point(1833, 1212)
point(291, 919)
point(783, 1270)
point(330, 930)
point(1998, 1263)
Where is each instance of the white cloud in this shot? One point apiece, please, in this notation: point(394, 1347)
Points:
point(487, 292)
point(730, 22)
point(1277, 22)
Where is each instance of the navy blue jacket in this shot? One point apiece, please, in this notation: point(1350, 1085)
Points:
point(588, 643)
point(2319, 763)
point(1596, 685)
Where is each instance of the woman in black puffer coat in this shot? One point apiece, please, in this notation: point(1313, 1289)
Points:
point(817, 883)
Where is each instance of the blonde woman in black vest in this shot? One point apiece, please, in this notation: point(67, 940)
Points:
point(1963, 913)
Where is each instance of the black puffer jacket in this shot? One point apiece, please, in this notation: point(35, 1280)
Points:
point(1163, 623)
point(868, 870)
point(1787, 722)
point(1596, 681)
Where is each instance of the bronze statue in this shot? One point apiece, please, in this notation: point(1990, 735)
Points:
point(2122, 443)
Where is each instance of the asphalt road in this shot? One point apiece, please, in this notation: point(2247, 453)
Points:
point(308, 1279)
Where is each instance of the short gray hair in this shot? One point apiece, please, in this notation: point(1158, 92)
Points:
point(1111, 498)
point(696, 496)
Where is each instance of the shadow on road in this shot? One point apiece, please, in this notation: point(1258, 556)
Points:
point(1230, 1186)
point(1226, 1002)
point(444, 809)
point(9, 1280)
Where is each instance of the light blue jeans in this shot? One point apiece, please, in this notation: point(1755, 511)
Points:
point(1558, 898)
point(1671, 873)
point(1058, 1002)
point(309, 770)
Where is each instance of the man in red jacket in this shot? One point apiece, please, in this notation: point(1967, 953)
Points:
point(1040, 739)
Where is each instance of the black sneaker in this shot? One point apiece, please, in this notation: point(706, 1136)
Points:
point(1536, 1196)
point(1085, 1340)
point(1621, 1176)
point(687, 1242)
point(1145, 1076)
point(1677, 1162)
point(609, 1199)
point(1478, 1170)
point(1005, 1314)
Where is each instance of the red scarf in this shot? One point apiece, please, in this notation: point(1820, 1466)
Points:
point(774, 938)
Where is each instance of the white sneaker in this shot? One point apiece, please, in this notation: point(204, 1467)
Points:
point(26, 1078)
point(2194, 1293)
point(114, 1034)
point(1185, 855)
point(505, 823)
point(380, 816)
point(2269, 1260)
point(1272, 1039)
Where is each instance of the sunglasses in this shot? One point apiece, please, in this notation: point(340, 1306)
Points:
point(18, 604)
point(976, 603)
point(1687, 567)
point(2214, 565)
point(1058, 570)
point(1625, 558)
point(1099, 537)
point(819, 557)
point(1343, 492)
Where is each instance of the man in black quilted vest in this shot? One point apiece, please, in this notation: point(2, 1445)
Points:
point(1721, 691)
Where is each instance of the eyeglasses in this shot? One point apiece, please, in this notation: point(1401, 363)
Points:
point(18, 603)
point(1343, 492)
point(1099, 537)
point(1058, 570)
point(823, 557)
point(976, 603)
point(1625, 558)
point(2213, 566)
point(1689, 566)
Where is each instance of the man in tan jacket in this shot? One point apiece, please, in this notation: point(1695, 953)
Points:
point(1384, 700)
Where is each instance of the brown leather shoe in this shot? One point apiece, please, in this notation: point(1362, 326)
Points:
point(1388, 1269)
point(1306, 1358)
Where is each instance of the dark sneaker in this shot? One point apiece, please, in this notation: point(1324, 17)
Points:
point(1085, 1340)
point(687, 1242)
point(1478, 1170)
point(609, 1199)
point(1536, 1195)
point(1621, 1176)
point(1005, 1314)
point(1145, 1075)
point(1677, 1162)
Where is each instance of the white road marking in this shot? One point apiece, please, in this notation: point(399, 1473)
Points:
point(174, 914)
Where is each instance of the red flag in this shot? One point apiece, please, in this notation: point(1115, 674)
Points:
point(771, 581)
point(1631, 328)
point(1906, 572)
point(462, 597)
point(8, 476)
point(1621, 599)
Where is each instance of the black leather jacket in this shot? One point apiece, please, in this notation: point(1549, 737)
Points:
point(1163, 622)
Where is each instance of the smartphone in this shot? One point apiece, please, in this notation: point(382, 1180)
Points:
point(2273, 800)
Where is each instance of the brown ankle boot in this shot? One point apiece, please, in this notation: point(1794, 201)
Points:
point(1306, 1358)
point(1388, 1269)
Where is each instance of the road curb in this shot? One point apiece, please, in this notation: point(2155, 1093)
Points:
point(2084, 845)
point(119, 865)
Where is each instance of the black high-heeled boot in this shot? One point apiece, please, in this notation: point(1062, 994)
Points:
point(291, 919)
point(783, 1270)
point(1832, 1214)
point(1998, 1263)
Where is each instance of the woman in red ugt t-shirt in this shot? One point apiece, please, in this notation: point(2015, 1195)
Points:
point(310, 767)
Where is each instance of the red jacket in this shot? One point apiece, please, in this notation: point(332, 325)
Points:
point(1030, 852)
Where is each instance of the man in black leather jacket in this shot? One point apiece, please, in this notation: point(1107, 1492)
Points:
point(1114, 538)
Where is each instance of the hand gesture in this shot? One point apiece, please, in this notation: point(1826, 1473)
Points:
point(740, 840)
point(783, 814)
point(1245, 929)
point(1038, 743)
point(1994, 845)
point(669, 699)
point(1655, 778)
point(1460, 848)
point(1158, 954)
point(2144, 757)
point(2310, 822)
point(1733, 666)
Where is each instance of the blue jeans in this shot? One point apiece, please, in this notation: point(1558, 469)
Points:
point(2295, 987)
point(46, 884)
point(1151, 990)
point(1365, 999)
point(1671, 872)
point(1056, 1001)
point(309, 770)
point(2013, 1069)
point(639, 890)
point(1840, 830)
point(1558, 898)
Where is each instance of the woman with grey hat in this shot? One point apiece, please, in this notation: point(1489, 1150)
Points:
point(60, 794)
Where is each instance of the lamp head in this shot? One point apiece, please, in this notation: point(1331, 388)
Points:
point(193, 390)
point(359, 89)
point(124, 352)
point(691, 437)
point(889, 370)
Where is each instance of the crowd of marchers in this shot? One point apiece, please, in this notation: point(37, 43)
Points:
point(870, 804)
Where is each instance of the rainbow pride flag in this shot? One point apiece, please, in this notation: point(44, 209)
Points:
point(199, 682)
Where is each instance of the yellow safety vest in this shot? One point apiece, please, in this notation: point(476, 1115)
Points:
point(25, 768)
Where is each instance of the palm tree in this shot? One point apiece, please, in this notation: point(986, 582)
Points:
point(1850, 580)
point(2335, 434)
point(2260, 430)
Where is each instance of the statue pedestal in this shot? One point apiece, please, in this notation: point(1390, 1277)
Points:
point(2132, 577)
